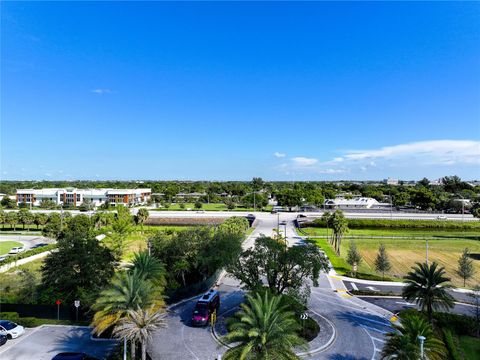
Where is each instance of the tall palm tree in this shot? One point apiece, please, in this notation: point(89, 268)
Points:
point(265, 330)
point(403, 343)
point(127, 291)
point(180, 268)
point(426, 285)
point(149, 268)
point(339, 227)
point(139, 325)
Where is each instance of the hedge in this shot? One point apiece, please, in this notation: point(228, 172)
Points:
point(451, 344)
point(30, 322)
point(28, 253)
point(401, 224)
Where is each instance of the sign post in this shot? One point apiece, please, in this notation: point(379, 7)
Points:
point(58, 302)
point(77, 305)
point(213, 318)
point(304, 317)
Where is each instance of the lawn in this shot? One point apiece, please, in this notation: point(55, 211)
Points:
point(444, 247)
point(11, 280)
point(470, 346)
point(6, 246)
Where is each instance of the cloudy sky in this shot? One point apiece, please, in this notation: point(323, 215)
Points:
point(310, 91)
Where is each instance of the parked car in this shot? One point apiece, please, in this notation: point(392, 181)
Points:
point(206, 305)
point(73, 356)
point(3, 339)
point(16, 250)
point(38, 245)
point(10, 329)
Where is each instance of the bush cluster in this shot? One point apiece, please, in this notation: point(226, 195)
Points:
point(401, 224)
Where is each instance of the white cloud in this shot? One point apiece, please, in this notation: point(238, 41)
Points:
point(48, 174)
point(434, 152)
point(304, 161)
point(414, 156)
point(102, 91)
point(279, 155)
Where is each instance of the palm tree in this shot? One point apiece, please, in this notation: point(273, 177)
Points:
point(141, 217)
point(339, 227)
point(139, 325)
point(127, 291)
point(265, 329)
point(12, 219)
point(40, 219)
point(403, 344)
point(149, 268)
point(426, 285)
point(180, 268)
point(3, 218)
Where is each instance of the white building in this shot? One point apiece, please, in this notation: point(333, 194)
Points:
point(390, 181)
point(76, 197)
point(354, 203)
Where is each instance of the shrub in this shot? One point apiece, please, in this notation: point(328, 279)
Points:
point(451, 344)
point(400, 224)
point(12, 316)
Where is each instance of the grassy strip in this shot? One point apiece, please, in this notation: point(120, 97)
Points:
point(410, 233)
point(31, 322)
point(470, 346)
point(338, 263)
point(29, 253)
point(6, 246)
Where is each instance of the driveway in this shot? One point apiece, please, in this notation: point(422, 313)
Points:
point(44, 342)
point(28, 241)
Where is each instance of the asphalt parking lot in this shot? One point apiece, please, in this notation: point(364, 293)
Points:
point(44, 342)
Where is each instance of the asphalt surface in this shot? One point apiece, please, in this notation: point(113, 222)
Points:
point(397, 290)
point(43, 343)
point(396, 304)
point(28, 241)
point(360, 326)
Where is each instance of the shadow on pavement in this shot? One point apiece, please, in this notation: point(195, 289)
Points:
point(345, 357)
point(78, 340)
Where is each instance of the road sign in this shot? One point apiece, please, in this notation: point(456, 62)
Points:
point(58, 302)
point(304, 316)
point(76, 303)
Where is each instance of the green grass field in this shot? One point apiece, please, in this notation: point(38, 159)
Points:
point(6, 246)
point(470, 347)
point(408, 248)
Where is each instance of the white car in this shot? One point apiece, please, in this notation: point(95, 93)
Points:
point(16, 250)
point(10, 329)
point(441, 217)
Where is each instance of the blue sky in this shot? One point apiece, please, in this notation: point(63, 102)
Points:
point(285, 91)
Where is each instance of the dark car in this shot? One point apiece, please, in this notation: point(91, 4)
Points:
point(3, 339)
point(73, 356)
point(205, 306)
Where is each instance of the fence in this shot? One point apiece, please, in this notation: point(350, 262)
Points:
point(45, 311)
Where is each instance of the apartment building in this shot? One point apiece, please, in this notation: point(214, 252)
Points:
point(76, 197)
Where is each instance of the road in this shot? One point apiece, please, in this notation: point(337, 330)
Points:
point(360, 326)
point(460, 295)
point(28, 241)
point(396, 304)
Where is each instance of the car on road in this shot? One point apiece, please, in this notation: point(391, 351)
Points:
point(204, 308)
point(3, 339)
point(3, 258)
point(73, 356)
point(441, 217)
point(38, 245)
point(10, 329)
point(16, 250)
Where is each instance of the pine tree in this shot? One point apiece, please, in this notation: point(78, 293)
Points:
point(353, 256)
point(382, 262)
point(465, 266)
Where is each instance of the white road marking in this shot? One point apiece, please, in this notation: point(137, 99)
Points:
point(354, 286)
point(373, 343)
point(371, 320)
point(404, 303)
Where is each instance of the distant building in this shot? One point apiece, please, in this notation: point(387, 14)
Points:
point(354, 203)
point(76, 197)
point(390, 181)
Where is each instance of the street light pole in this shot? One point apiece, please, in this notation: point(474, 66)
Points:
point(422, 339)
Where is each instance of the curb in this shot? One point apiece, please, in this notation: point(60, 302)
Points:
point(301, 354)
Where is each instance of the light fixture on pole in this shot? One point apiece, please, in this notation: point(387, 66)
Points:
point(422, 340)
